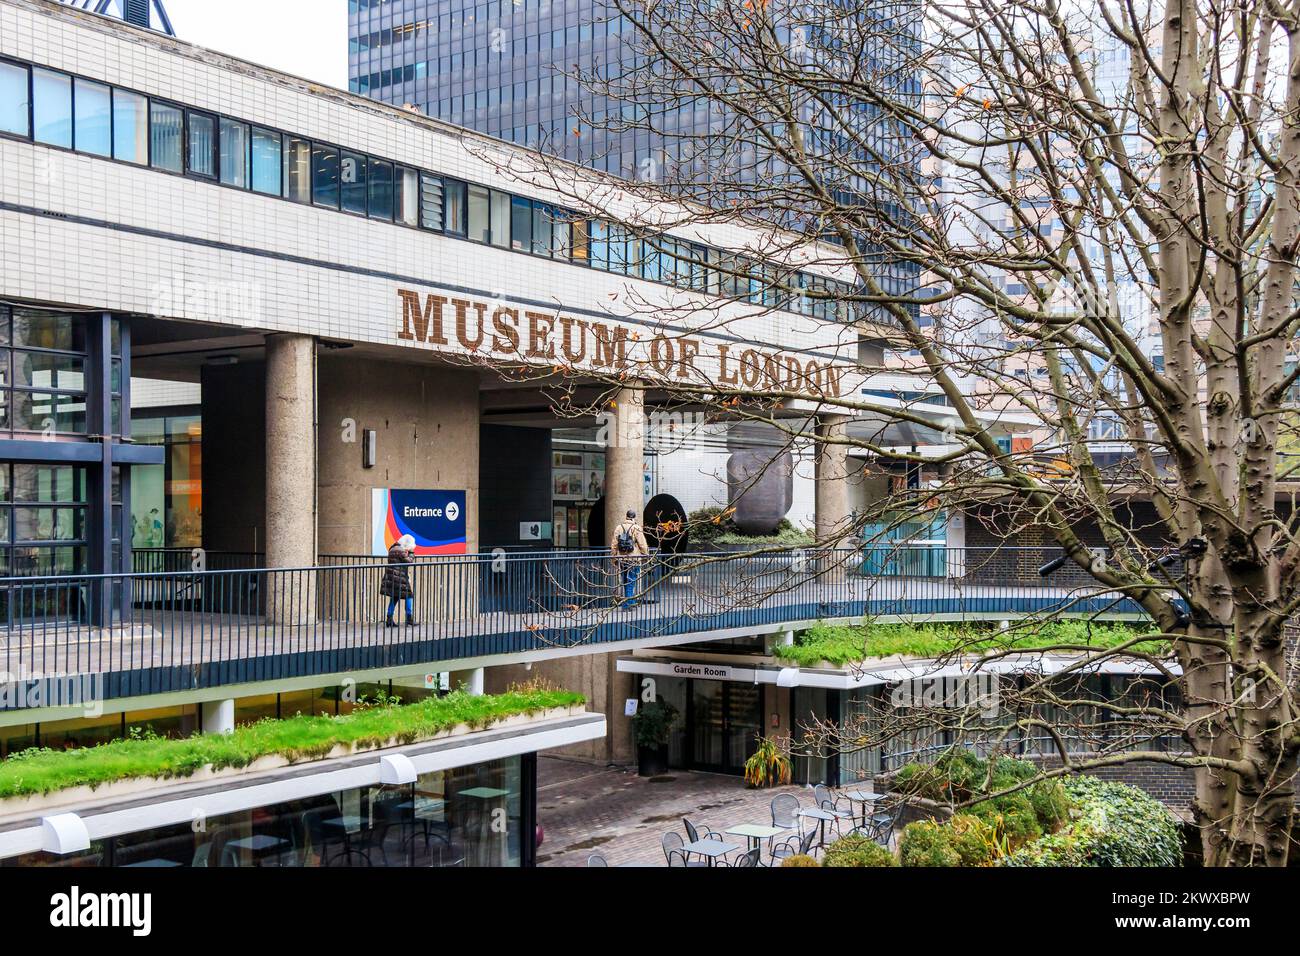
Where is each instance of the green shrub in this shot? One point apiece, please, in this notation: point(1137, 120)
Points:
point(1114, 825)
point(856, 850)
point(1051, 804)
point(1013, 814)
point(926, 843)
point(799, 859)
point(976, 841)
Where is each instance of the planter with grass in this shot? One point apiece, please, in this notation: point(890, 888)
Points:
point(38, 779)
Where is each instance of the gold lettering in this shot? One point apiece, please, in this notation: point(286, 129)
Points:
point(725, 375)
point(462, 324)
point(539, 335)
point(572, 355)
point(421, 324)
point(661, 354)
point(611, 346)
point(506, 338)
point(750, 368)
point(688, 349)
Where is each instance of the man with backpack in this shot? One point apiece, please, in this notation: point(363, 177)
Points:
point(628, 548)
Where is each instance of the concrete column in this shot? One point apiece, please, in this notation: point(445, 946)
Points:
point(471, 679)
point(624, 459)
point(218, 716)
point(291, 476)
point(831, 486)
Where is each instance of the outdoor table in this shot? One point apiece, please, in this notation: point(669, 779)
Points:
point(755, 833)
point(710, 849)
point(864, 797)
point(821, 816)
point(258, 845)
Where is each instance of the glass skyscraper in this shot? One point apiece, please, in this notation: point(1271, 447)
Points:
point(496, 67)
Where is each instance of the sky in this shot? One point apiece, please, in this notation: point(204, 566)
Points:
point(308, 38)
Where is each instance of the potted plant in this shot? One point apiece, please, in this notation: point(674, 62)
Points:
point(769, 766)
point(651, 725)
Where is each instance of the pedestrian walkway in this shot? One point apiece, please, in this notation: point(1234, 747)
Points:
point(585, 809)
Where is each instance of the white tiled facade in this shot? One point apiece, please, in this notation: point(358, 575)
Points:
point(82, 231)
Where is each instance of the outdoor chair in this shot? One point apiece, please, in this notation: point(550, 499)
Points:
point(747, 859)
point(826, 800)
point(597, 859)
point(785, 807)
point(672, 843)
point(792, 846)
point(699, 833)
point(677, 858)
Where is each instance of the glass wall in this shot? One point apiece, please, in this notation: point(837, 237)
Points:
point(44, 521)
point(463, 817)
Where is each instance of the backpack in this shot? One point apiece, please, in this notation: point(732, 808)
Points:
point(624, 542)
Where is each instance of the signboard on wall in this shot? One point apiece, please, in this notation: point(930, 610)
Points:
point(435, 519)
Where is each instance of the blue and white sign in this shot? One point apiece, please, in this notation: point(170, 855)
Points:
point(435, 519)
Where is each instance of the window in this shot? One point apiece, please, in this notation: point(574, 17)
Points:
point(94, 127)
point(430, 202)
point(599, 244)
point(480, 219)
point(541, 230)
point(352, 176)
point(43, 526)
point(234, 153)
point(453, 211)
point(165, 125)
point(14, 101)
point(52, 107)
point(521, 224)
point(500, 219)
point(297, 169)
point(43, 382)
point(580, 240)
point(325, 176)
point(560, 238)
point(203, 145)
point(130, 127)
point(408, 196)
point(380, 177)
point(266, 162)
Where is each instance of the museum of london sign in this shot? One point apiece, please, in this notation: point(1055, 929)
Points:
point(493, 330)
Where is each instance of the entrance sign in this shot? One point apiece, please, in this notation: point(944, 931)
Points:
point(435, 519)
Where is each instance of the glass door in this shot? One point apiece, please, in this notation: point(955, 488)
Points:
point(744, 724)
point(726, 720)
point(708, 724)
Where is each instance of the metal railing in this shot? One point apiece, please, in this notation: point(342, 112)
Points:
point(183, 629)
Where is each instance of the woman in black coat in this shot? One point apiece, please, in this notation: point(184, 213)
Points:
point(396, 584)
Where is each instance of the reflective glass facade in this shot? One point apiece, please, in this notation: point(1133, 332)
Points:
point(473, 816)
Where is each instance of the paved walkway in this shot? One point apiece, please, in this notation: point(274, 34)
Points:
point(585, 808)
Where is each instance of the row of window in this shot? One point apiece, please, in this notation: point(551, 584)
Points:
point(69, 112)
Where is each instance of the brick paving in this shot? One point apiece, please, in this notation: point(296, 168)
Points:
point(585, 808)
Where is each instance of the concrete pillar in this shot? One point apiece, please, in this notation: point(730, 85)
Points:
point(218, 716)
point(291, 476)
point(624, 459)
point(471, 679)
point(831, 487)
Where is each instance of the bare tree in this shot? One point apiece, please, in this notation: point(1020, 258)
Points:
point(1086, 215)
